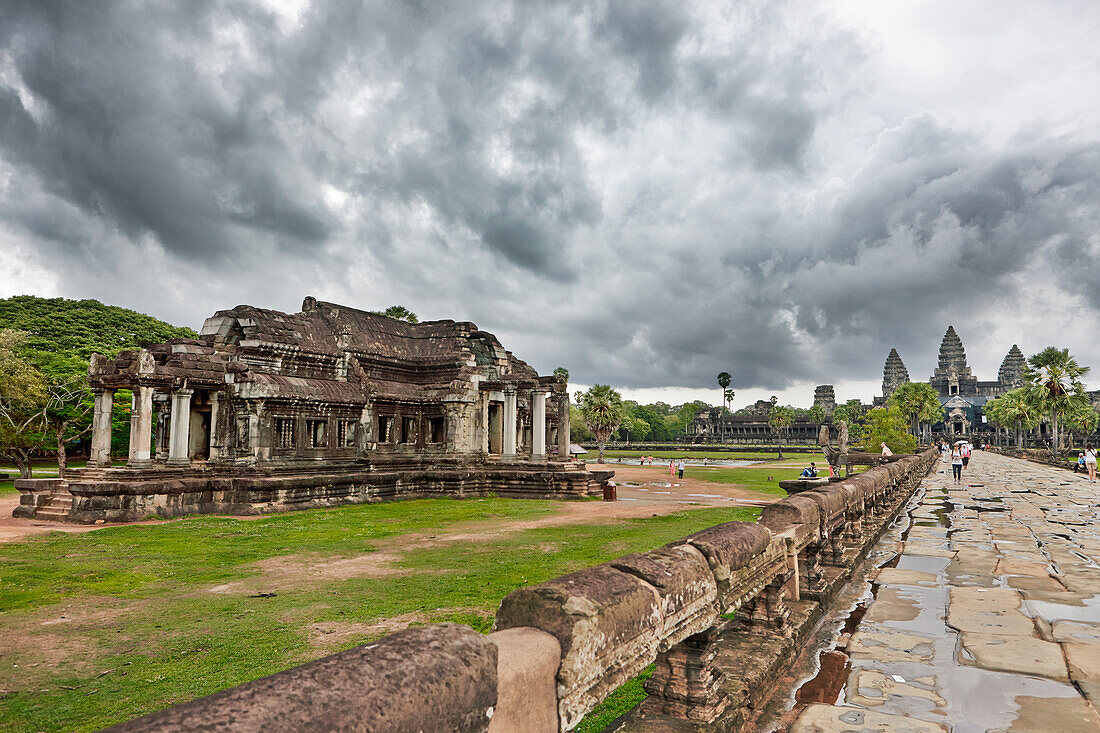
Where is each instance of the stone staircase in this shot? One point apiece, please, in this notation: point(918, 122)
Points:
point(58, 507)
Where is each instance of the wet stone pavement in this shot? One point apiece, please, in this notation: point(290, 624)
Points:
point(987, 617)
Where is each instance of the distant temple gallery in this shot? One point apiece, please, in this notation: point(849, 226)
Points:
point(268, 411)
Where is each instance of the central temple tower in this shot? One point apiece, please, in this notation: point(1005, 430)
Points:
point(952, 375)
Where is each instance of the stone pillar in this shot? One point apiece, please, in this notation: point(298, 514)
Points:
point(563, 426)
point(216, 441)
point(141, 427)
point(686, 683)
point(509, 443)
point(179, 436)
point(538, 425)
point(483, 434)
point(101, 427)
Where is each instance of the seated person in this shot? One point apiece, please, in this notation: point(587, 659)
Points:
point(810, 471)
point(1080, 463)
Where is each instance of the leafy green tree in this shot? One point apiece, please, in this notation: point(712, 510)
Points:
point(918, 402)
point(398, 312)
point(1054, 377)
point(602, 409)
point(635, 428)
point(562, 373)
point(578, 431)
point(60, 337)
point(886, 425)
point(23, 396)
point(780, 419)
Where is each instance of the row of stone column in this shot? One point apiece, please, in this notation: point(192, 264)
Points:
point(510, 425)
point(141, 428)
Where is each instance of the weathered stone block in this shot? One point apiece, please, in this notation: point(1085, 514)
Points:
point(689, 593)
point(606, 622)
point(794, 511)
point(527, 669)
point(429, 678)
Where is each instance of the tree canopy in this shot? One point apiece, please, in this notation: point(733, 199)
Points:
point(57, 338)
point(1054, 384)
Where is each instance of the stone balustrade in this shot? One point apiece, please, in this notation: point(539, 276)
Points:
point(562, 646)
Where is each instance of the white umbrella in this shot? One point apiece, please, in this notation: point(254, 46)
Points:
point(960, 442)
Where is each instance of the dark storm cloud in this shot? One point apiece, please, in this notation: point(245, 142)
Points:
point(646, 193)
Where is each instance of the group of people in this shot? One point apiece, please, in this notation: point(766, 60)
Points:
point(958, 455)
point(1086, 461)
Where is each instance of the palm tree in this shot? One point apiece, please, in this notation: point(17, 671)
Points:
point(724, 380)
point(1054, 377)
point(918, 402)
point(1081, 418)
point(562, 373)
point(1014, 409)
point(603, 412)
point(780, 419)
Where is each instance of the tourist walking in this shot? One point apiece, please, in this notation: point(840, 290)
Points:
point(1090, 461)
point(965, 454)
point(671, 467)
point(957, 463)
point(680, 468)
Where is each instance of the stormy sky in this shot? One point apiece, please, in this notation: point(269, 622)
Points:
point(644, 192)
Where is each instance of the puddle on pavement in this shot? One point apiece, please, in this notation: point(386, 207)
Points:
point(1089, 610)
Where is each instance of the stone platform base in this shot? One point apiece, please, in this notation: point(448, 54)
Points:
point(87, 496)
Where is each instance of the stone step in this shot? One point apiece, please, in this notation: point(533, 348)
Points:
point(51, 513)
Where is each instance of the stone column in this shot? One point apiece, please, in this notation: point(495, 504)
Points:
point(538, 425)
point(141, 427)
point(101, 427)
point(179, 436)
point(483, 435)
point(563, 427)
point(509, 444)
point(215, 438)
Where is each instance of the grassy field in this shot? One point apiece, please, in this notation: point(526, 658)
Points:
point(769, 455)
point(103, 626)
point(755, 479)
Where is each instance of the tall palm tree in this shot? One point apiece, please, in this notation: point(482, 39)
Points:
point(919, 402)
point(724, 380)
point(1015, 409)
point(1054, 377)
point(603, 412)
point(781, 418)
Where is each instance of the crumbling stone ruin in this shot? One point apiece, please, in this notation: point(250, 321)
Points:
point(562, 646)
point(268, 411)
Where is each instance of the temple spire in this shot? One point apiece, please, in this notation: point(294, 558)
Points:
point(894, 373)
point(1011, 373)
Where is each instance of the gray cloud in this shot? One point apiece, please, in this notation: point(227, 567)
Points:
point(647, 193)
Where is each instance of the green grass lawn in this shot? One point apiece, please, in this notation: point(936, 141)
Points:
point(103, 626)
point(756, 455)
point(751, 478)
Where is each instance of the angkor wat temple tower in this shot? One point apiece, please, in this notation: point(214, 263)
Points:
point(825, 397)
point(952, 375)
point(1011, 373)
point(894, 373)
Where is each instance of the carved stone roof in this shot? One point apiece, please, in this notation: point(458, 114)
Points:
point(1011, 373)
point(894, 373)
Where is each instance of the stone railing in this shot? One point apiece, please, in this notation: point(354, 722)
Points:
point(563, 645)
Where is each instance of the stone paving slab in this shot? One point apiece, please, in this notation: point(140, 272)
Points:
point(838, 719)
point(988, 620)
